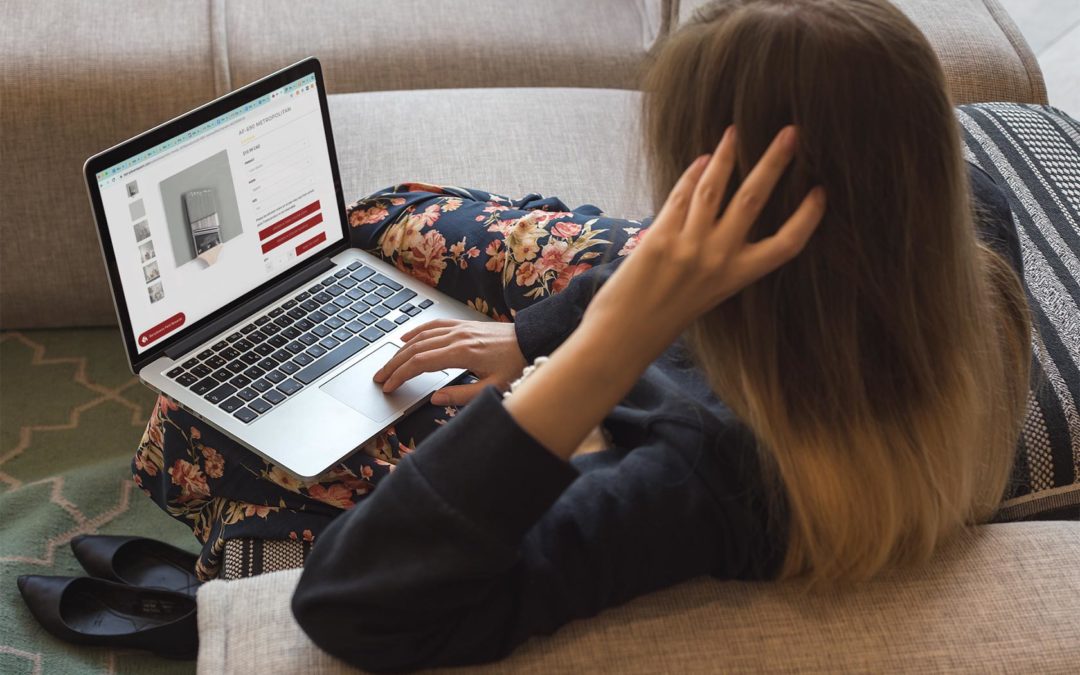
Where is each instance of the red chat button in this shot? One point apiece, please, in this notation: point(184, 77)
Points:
point(162, 329)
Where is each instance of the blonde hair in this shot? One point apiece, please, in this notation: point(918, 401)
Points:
point(884, 371)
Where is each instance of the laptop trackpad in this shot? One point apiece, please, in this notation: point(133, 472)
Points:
point(355, 388)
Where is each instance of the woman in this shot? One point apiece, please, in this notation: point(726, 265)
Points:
point(865, 329)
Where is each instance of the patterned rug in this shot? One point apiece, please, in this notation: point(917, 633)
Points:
point(71, 415)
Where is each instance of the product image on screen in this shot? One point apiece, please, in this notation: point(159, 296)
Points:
point(202, 217)
point(201, 210)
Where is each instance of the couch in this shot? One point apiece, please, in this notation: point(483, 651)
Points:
point(513, 97)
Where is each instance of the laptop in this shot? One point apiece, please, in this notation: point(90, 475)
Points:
point(237, 292)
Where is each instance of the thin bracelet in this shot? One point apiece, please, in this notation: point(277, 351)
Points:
point(529, 370)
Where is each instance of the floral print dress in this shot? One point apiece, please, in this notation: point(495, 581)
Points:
point(495, 254)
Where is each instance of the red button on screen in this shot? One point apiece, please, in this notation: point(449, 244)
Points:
point(162, 329)
point(310, 243)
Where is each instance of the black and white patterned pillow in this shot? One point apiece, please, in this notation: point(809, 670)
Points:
point(1032, 153)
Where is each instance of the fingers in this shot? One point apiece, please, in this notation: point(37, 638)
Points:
point(459, 394)
point(754, 192)
point(427, 361)
point(406, 352)
point(438, 323)
point(710, 189)
point(765, 256)
point(387, 373)
point(673, 212)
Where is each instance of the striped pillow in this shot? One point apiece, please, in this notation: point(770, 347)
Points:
point(1032, 153)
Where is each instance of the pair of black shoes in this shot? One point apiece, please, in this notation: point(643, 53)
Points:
point(141, 594)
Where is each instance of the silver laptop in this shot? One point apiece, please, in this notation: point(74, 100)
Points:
point(238, 294)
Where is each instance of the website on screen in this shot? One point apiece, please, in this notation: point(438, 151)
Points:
point(213, 213)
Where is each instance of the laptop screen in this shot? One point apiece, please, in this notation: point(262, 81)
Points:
point(207, 216)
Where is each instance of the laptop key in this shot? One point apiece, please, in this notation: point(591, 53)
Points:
point(315, 289)
point(276, 312)
point(342, 334)
point(355, 326)
point(367, 318)
point(315, 351)
point(321, 330)
point(254, 372)
point(316, 317)
point(308, 339)
point(245, 415)
point(267, 364)
point(190, 363)
point(327, 281)
point(261, 385)
point(294, 347)
point(242, 345)
point(278, 341)
point(284, 320)
point(309, 305)
point(341, 273)
point(331, 308)
point(371, 334)
point(334, 323)
point(343, 301)
point(296, 313)
point(204, 385)
point(221, 393)
point(379, 311)
point(233, 337)
point(385, 281)
point(303, 359)
point(406, 307)
point(303, 325)
point(384, 291)
point(290, 333)
point(265, 349)
point(200, 370)
point(355, 294)
point(175, 372)
point(322, 297)
point(215, 362)
point(362, 273)
point(236, 366)
point(281, 355)
point(402, 319)
point(248, 328)
point(289, 368)
point(231, 404)
point(257, 337)
point(302, 296)
point(240, 381)
point(251, 358)
point(346, 315)
point(260, 406)
point(399, 298)
point(275, 376)
point(332, 359)
point(288, 304)
point(186, 379)
point(385, 326)
point(262, 321)
point(414, 311)
point(221, 375)
point(426, 303)
point(274, 396)
point(354, 265)
point(248, 394)
point(328, 343)
point(368, 286)
point(218, 346)
point(347, 282)
point(271, 329)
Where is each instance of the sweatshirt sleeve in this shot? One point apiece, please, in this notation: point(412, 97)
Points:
point(542, 327)
point(482, 538)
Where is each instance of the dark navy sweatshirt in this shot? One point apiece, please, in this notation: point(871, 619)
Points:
point(482, 538)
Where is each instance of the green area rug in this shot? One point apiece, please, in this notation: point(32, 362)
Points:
point(71, 415)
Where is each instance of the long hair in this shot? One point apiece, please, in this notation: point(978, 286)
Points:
point(884, 371)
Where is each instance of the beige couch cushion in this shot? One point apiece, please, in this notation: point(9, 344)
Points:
point(984, 55)
point(428, 44)
point(1004, 599)
point(578, 144)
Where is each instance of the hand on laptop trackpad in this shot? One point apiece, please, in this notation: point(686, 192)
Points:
point(355, 388)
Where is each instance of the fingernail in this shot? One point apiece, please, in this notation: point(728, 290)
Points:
point(439, 398)
point(727, 135)
point(386, 388)
point(378, 377)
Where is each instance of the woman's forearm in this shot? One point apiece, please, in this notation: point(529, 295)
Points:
point(583, 380)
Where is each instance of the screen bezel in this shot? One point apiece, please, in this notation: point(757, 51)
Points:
point(171, 129)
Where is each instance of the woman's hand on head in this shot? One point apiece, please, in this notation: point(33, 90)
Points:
point(488, 349)
point(691, 260)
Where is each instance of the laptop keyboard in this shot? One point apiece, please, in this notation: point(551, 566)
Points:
point(287, 348)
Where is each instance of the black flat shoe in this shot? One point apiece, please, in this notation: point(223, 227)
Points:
point(89, 611)
point(137, 561)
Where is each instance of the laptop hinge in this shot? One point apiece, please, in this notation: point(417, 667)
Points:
point(250, 307)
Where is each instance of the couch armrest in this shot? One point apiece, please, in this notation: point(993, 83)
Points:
point(1004, 596)
point(982, 51)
